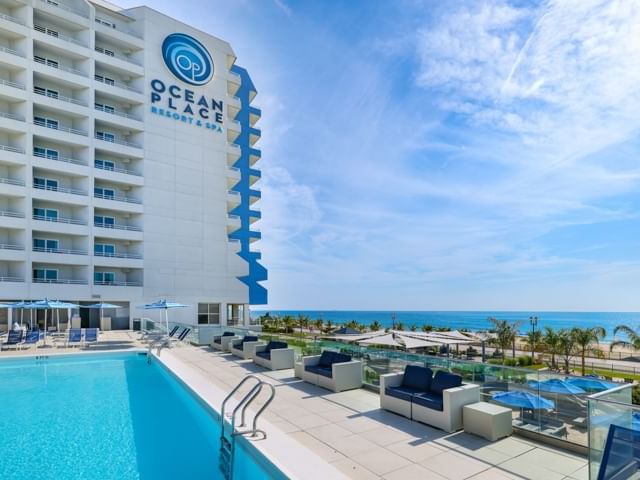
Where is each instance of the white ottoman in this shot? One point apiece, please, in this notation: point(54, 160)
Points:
point(487, 420)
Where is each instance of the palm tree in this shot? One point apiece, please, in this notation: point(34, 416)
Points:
point(289, 323)
point(399, 326)
point(566, 347)
point(413, 327)
point(352, 324)
point(633, 338)
point(533, 340)
point(426, 328)
point(375, 326)
point(328, 326)
point(318, 323)
point(551, 342)
point(303, 321)
point(506, 333)
point(586, 340)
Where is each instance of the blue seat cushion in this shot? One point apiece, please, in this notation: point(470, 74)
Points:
point(443, 380)
point(428, 399)
point(341, 357)
point(326, 359)
point(403, 393)
point(273, 345)
point(417, 377)
point(249, 338)
point(266, 355)
point(320, 370)
point(217, 340)
point(227, 334)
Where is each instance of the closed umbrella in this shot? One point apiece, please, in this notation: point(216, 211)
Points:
point(164, 305)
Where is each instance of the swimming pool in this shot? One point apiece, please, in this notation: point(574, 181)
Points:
point(108, 417)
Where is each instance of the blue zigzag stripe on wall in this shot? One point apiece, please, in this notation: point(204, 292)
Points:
point(257, 272)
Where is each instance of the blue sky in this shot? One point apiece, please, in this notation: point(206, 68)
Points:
point(443, 155)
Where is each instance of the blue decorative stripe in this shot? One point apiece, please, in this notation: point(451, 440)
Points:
point(257, 272)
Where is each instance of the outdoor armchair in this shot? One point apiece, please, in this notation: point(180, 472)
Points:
point(274, 355)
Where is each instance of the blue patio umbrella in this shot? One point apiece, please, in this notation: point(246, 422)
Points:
point(21, 305)
point(591, 384)
point(558, 386)
point(47, 304)
point(164, 305)
point(522, 399)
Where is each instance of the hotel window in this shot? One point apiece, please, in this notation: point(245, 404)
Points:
point(46, 122)
point(103, 221)
point(209, 314)
point(105, 165)
point(45, 245)
point(105, 23)
point(104, 278)
point(104, 249)
point(106, 51)
point(106, 136)
point(107, 193)
point(48, 214)
point(105, 108)
point(103, 79)
point(235, 314)
point(45, 183)
point(47, 92)
point(45, 275)
point(46, 153)
point(46, 61)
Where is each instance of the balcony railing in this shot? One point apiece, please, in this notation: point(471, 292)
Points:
point(118, 226)
point(134, 256)
point(116, 28)
point(68, 221)
point(64, 7)
point(9, 148)
point(11, 19)
point(118, 141)
point(10, 83)
point(75, 131)
point(64, 251)
point(124, 58)
point(117, 283)
point(117, 112)
point(11, 51)
point(117, 84)
point(58, 66)
point(62, 98)
point(73, 191)
point(117, 169)
point(118, 198)
point(60, 158)
point(56, 34)
point(12, 279)
point(62, 281)
point(11, 181)
point(8, 246)
point(10, 214)
point(12, 116)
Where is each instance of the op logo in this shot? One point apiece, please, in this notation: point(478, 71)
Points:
point(187, 59)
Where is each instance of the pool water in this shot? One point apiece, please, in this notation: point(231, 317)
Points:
point(109, 417)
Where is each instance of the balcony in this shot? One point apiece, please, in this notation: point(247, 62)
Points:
point(9, 18)
point(55, 64)
point(62, 220)
point(55, 34)
point(59, 158)
point(12, 279)
point(13, 187)
point(134, 256)
point(118, 226)
point(56, 188)
point(113, 83)
point(118, 198)
point(60, 128)
point(108, 26)
point(11, 51)
point(116, 140)
point(62, 6)
point(116, 283)
point(112, 111)
point(123, 63)
point(233, 198)
point(63, 251)
point(60, 281)
point(9, 83)
point(61, 98)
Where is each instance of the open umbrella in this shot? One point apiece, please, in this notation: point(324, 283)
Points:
point(47, 304)
point(591, 384)
point(164, 305)
point(100, 306)
point(522, 399)
point(558, 386)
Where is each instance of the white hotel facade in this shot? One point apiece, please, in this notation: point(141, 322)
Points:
point(127, 164)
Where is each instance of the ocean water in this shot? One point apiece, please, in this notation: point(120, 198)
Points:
point(107, 417)
point(472, 320)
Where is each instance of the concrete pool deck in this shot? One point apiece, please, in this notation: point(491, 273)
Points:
point(350, 432)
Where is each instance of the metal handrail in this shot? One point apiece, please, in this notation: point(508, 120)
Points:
point(11, 181)
point(75, 131)
point(11, 51)
point(11, 279)
point(64, 7)
point(6, 246)
point(118, 198)
point(244, 403)
point(117, 112)
point(118, 284)
point(62, 98)
point(117, 226)
point(134, 256)
point(11, 19)
point(73, 191)
point(65, 251)
point(118, 84)
point(8, 148)
point(7, 213)
point(118, 141)
point(56, 34)
point(235, 389)
point(124, 58)
point(58, 66)
point(12, 116)
point(9, 83)
point(60, 280)
point(60, 158)
point(69, 221)
point(116, 169)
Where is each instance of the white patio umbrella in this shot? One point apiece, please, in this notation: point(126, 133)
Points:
point(164, 305)
point(397, 339)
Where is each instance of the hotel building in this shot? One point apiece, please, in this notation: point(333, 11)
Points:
point(127, 164)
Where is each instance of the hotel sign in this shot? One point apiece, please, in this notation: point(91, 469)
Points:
point(190, 62)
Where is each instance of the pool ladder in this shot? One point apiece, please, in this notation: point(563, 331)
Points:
point(228, 435)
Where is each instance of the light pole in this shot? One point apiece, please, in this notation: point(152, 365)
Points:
point(393, 321)
point(534, 322)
